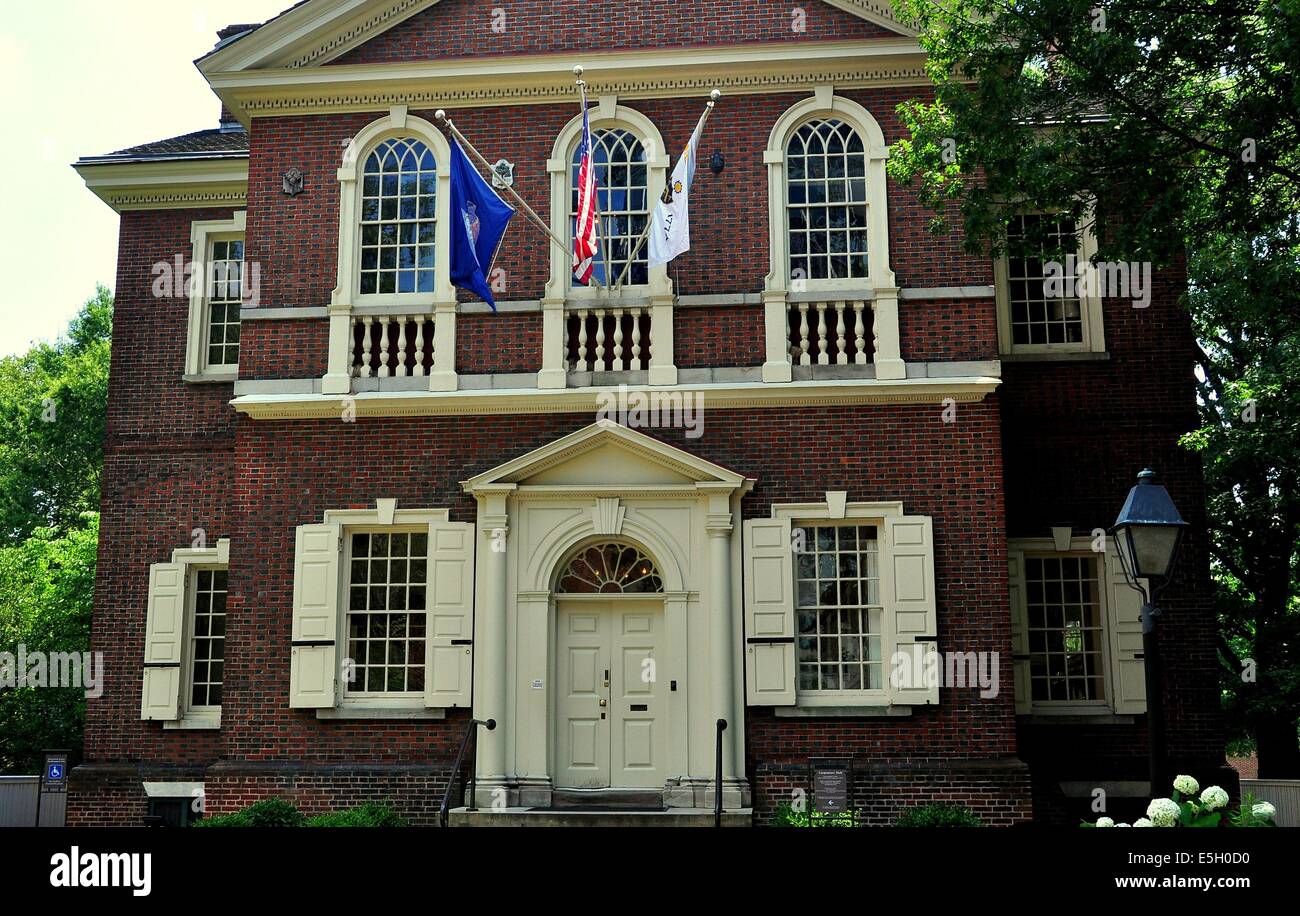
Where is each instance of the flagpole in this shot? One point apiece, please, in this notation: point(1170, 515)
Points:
point(595, 202)
point(645, 233)
point(441, 115)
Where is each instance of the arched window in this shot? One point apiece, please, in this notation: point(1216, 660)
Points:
point(399, 211)
point(826, 201)
point(623, 180)
point(610, 568)
point(829, 230)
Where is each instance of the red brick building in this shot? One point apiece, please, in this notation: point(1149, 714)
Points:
point(347, 508)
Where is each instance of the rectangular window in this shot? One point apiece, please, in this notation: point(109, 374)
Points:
point(838, 608)
point(225, 298)
point(208, 642)
point(1036, 316)
point(1063, 603)
point(387, 579)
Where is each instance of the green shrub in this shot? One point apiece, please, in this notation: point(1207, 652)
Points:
point(370, 815)
point(787, 816)
point(939, 815)
point(269, 812)
point(277, 812)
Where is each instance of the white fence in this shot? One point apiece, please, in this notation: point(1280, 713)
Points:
point(1284, 795)
point(18, 803)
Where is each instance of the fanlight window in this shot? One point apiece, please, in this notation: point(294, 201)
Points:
point(623, 189)
point(826, 202)
point(398, 213)
point(610, 569)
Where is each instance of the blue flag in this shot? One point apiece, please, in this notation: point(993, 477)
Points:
point(479, 218)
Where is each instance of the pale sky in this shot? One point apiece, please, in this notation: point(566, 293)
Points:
point(78, 78)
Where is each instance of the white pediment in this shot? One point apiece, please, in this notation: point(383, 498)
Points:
point(316, 32)
point(606, 454)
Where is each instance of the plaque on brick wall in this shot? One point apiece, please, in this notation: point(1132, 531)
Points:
point(830, 790)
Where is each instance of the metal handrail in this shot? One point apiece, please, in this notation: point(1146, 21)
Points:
point(470, 732)
point(717, 776)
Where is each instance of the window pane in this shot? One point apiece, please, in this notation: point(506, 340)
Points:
point(1065, 634)
point(386, 624)
point(397, 206)
point(836, 576)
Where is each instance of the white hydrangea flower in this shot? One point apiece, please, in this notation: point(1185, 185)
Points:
point(1105, 822)
point(1214, 798)
point(1163, 812)
point(1142, 822)
point(1187, 785)
point(1264, 809)
point(1121, 825)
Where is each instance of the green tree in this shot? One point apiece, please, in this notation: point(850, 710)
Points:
point(1180, 122)
point(52, 413)
point(46, 586)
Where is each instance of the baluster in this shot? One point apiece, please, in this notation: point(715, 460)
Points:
point(618, 340)
point(582, 341)
point(859, 338)
point(875, 330)
point(402, 370)
point(367, 348)
point(841, 345)
point(823, 358)
point(568, 365)
point(354, 352)
point(805, 359)
point(600, 340)
point(636, 338)
point(418, 369)
point(384, 371)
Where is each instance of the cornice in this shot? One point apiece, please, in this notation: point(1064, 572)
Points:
point(170, 185)
point(741, 395)
point(548, 79)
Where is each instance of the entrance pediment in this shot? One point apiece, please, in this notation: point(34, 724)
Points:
point(606, 454)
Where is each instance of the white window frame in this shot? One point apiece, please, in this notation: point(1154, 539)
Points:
point(397, 125)
point(606, 115)
point(378, 521)
point(1077, 547)
point(202, 234)
point(879, 286)
point(831, 513)
point(441, 302)
point(1094, 335)
point(193, 559)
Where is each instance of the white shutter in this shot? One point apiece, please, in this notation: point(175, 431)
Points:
point(769, 613)
point(1124, 632)
point(907, 580)
point(450, 655)
point(1019, 631)
point(163, 643)
point(314, 669)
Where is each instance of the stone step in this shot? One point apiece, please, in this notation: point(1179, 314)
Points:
point(552, 817)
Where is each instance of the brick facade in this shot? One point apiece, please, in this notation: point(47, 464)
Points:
point(1058, 444)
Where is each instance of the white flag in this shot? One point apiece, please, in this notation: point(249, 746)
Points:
point(670, 224)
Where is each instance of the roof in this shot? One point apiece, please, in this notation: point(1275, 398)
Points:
point(204, 144)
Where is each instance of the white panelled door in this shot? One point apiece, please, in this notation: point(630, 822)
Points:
point(610, 722)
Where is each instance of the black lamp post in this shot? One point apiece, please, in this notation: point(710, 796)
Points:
point(1148, 533)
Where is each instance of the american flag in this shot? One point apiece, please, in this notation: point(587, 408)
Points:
point(584, 234)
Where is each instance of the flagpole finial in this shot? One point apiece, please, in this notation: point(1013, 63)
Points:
point(440, 115)
point(715, 95)
point(577, 70)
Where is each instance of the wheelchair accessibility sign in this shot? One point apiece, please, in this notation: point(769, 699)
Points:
point(55, 777)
